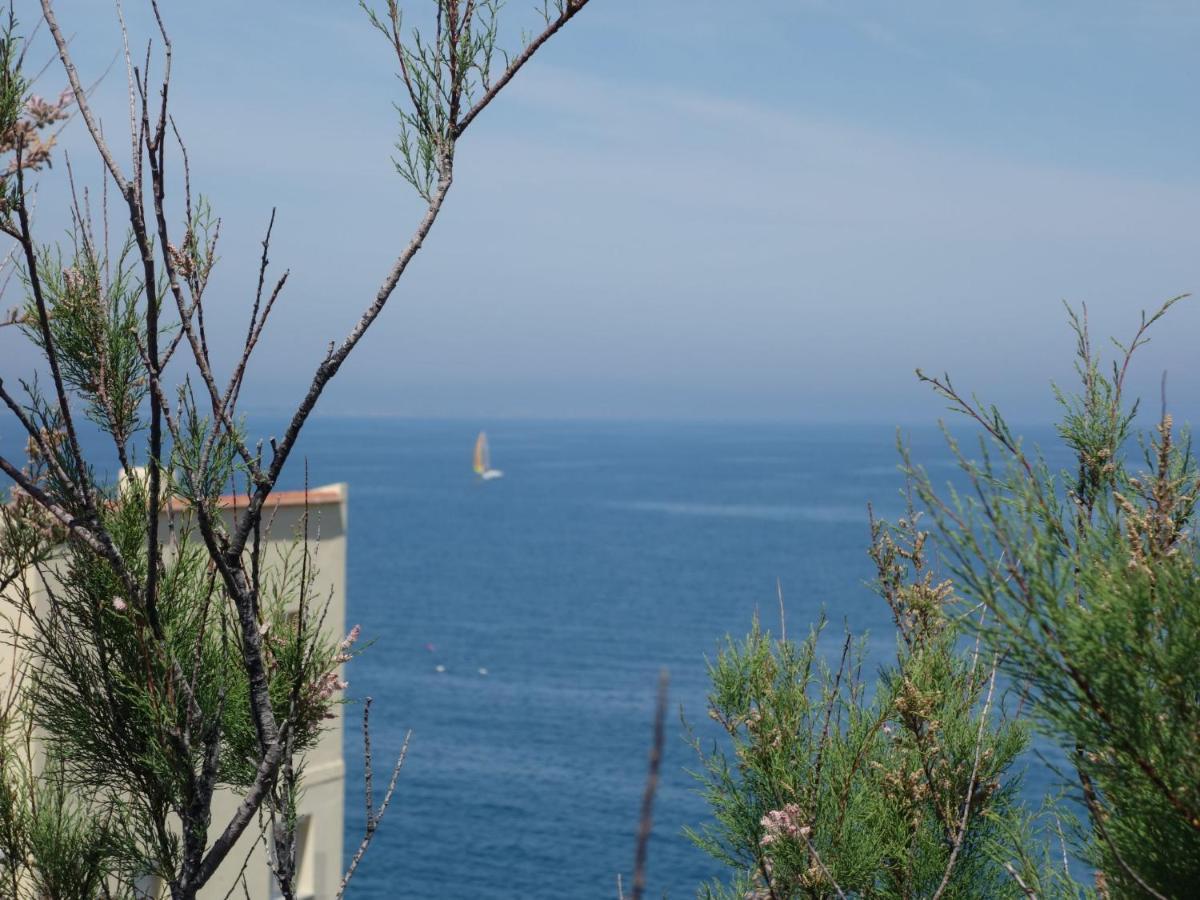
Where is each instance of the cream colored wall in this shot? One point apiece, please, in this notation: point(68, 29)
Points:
point(13, 626)
point(324, 777)
point(322, 798)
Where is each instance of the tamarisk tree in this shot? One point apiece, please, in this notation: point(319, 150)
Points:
point(1091, 580)
point(836, 787)
point(155, 678)
point(1080, 589)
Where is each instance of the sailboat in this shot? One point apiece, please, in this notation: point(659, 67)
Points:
point(483, 461)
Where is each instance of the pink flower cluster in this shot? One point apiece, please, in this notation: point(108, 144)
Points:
point(72, 280)
point(328, 683)
point(344, 654)
point(331, 682)
point(782, 824)
point(47, 112)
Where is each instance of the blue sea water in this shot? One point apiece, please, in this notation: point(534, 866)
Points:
point(606, 553)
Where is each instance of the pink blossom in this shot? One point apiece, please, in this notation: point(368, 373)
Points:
point(350, 638)
point(783, 823)
point(118, 604)
point(327, 684)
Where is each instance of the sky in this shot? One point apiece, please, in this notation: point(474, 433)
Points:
point(694, 209)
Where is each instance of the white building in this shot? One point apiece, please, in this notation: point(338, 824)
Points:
point(320, 827)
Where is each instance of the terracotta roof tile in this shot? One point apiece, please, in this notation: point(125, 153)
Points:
point(320, 496)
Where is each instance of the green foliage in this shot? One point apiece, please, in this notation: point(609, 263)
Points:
point(95, 323)
point(109, 703)
point(443, 76)
point(204, 457)
point(301, 658)
point(14, 86)
point(54, 845)
point(835, 787)
point(1084, 587)
point(1091, 582)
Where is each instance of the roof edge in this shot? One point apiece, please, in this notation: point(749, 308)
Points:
point(325, 495)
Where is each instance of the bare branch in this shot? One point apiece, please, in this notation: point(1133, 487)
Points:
point(570, 8)
point(372, 818)
point(821, 865)
point(1026, 889)
point(81, 100)
point(646, 820)
point(329, 367)
point(267, 769)
point(97, 541)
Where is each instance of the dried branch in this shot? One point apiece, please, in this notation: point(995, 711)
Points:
point(372, 818)
point(820, 865)
point(646, 820)
point(329, 367)
point(96, 540)
point(1026, 889)
point(85, 110)
point(569, 10)
point(267, 769)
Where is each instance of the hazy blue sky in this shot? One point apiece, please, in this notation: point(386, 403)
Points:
point(700, 208)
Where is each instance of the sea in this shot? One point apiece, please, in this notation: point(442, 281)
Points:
point(518, 627)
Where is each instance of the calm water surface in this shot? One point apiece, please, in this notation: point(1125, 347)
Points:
point(605, 553)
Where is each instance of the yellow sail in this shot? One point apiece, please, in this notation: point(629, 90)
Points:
point(481, 454)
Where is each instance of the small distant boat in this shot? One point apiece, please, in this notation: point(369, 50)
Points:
point(483, 459)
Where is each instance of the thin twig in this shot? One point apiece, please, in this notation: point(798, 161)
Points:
point(1097, 814)
point(81, 103)
point(1062, 843)
point(570, 8)
point(646, 820)
point(820, 865)
point(373, 818)
point(782, 616)
point(966, 812)
point(1029, 892)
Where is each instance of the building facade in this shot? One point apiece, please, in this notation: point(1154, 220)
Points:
point(320, 815)
point(320, 824)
